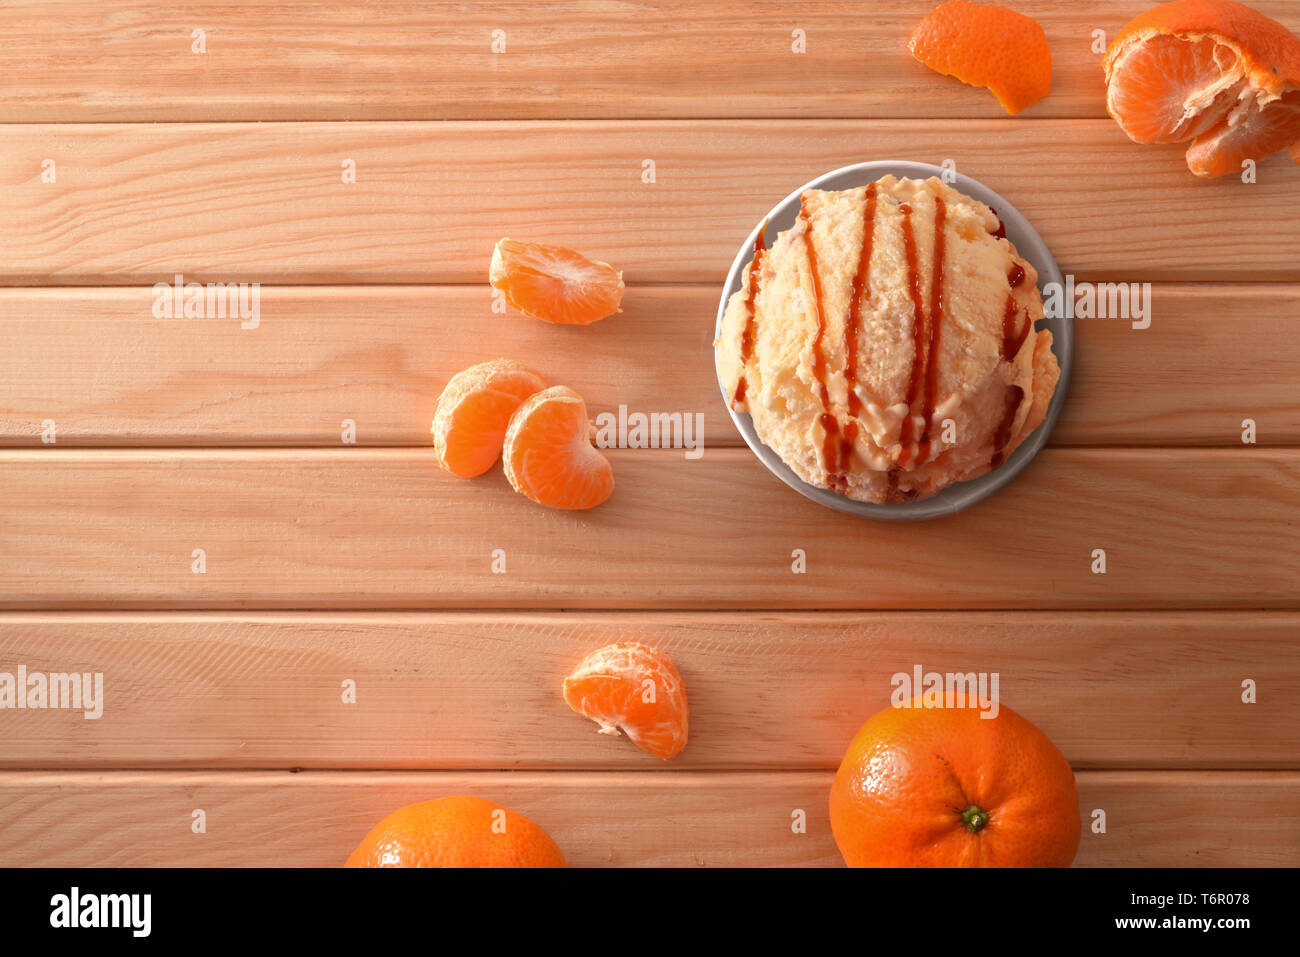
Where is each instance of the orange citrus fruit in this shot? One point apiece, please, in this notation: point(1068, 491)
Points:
point(633, 688)
point(469, 425)
point(456, 832)
point(554, 283)
point(548, 453)
point(987, 45)
point(1214, 73)
point(945, 787)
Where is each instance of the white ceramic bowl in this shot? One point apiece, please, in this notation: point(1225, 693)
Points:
point(1028, 243)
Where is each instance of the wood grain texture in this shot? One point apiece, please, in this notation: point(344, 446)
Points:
point(777, 691)
point(368, 563)
point(248, 202)
point(1154, 819)
point(333, 61)
point(108, 373)
point(385, 528)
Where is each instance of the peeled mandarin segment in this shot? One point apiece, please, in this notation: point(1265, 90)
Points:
point(633, 688)
point(554, 283)
point(989, 46)
point(1214, 72)
point(1225, 148)
point(469, 426)
point(548, 453)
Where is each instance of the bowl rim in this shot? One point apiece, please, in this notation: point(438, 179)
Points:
point(1029, 245)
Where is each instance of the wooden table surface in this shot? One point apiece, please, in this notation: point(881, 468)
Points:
point(329, 562)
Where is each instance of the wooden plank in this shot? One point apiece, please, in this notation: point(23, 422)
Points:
point(1212, 357)
point(98, 364)
point(314, 819)
point(107, 372)
point(82, 60)
point(385, 528)
point(482, 690)
point(249, 202)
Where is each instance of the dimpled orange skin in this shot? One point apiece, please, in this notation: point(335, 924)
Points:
point(456, 832)
point(910, 773)
point(987, 45)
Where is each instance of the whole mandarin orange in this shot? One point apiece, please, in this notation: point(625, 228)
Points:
point(456, 832)
point(945, 787)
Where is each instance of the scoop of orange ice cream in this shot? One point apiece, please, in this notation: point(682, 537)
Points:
point(884, 346)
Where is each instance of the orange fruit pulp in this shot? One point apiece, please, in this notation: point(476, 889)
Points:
point(633, 688)
point(1214, 73)
point(945, 787)
point(554, 283)
point(469, 425)
point(987, 45)
point(456, 832)
point(548, 454)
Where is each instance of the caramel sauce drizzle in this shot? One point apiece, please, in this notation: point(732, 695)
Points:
point(830, 425)
point(1002, 227)
point(926, 326)
point(860, 293)
point(751, 295)
point(1013, 337)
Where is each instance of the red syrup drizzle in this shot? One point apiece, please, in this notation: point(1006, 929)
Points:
point(1003, 435)
point(925, 336)
point(861, 292)
point(918, 325)
point(830, 426)
point(1002, 227)
point(1013, 337)
point(751, 294)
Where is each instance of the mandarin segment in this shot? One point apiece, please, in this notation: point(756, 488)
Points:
point(987, 45)
point(548, 453)
point(457, 831)
point(1225, 148)
point(948, 787)
point(633, 688)
point(469, 425)
point(1214, 73)
point(554, 283)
